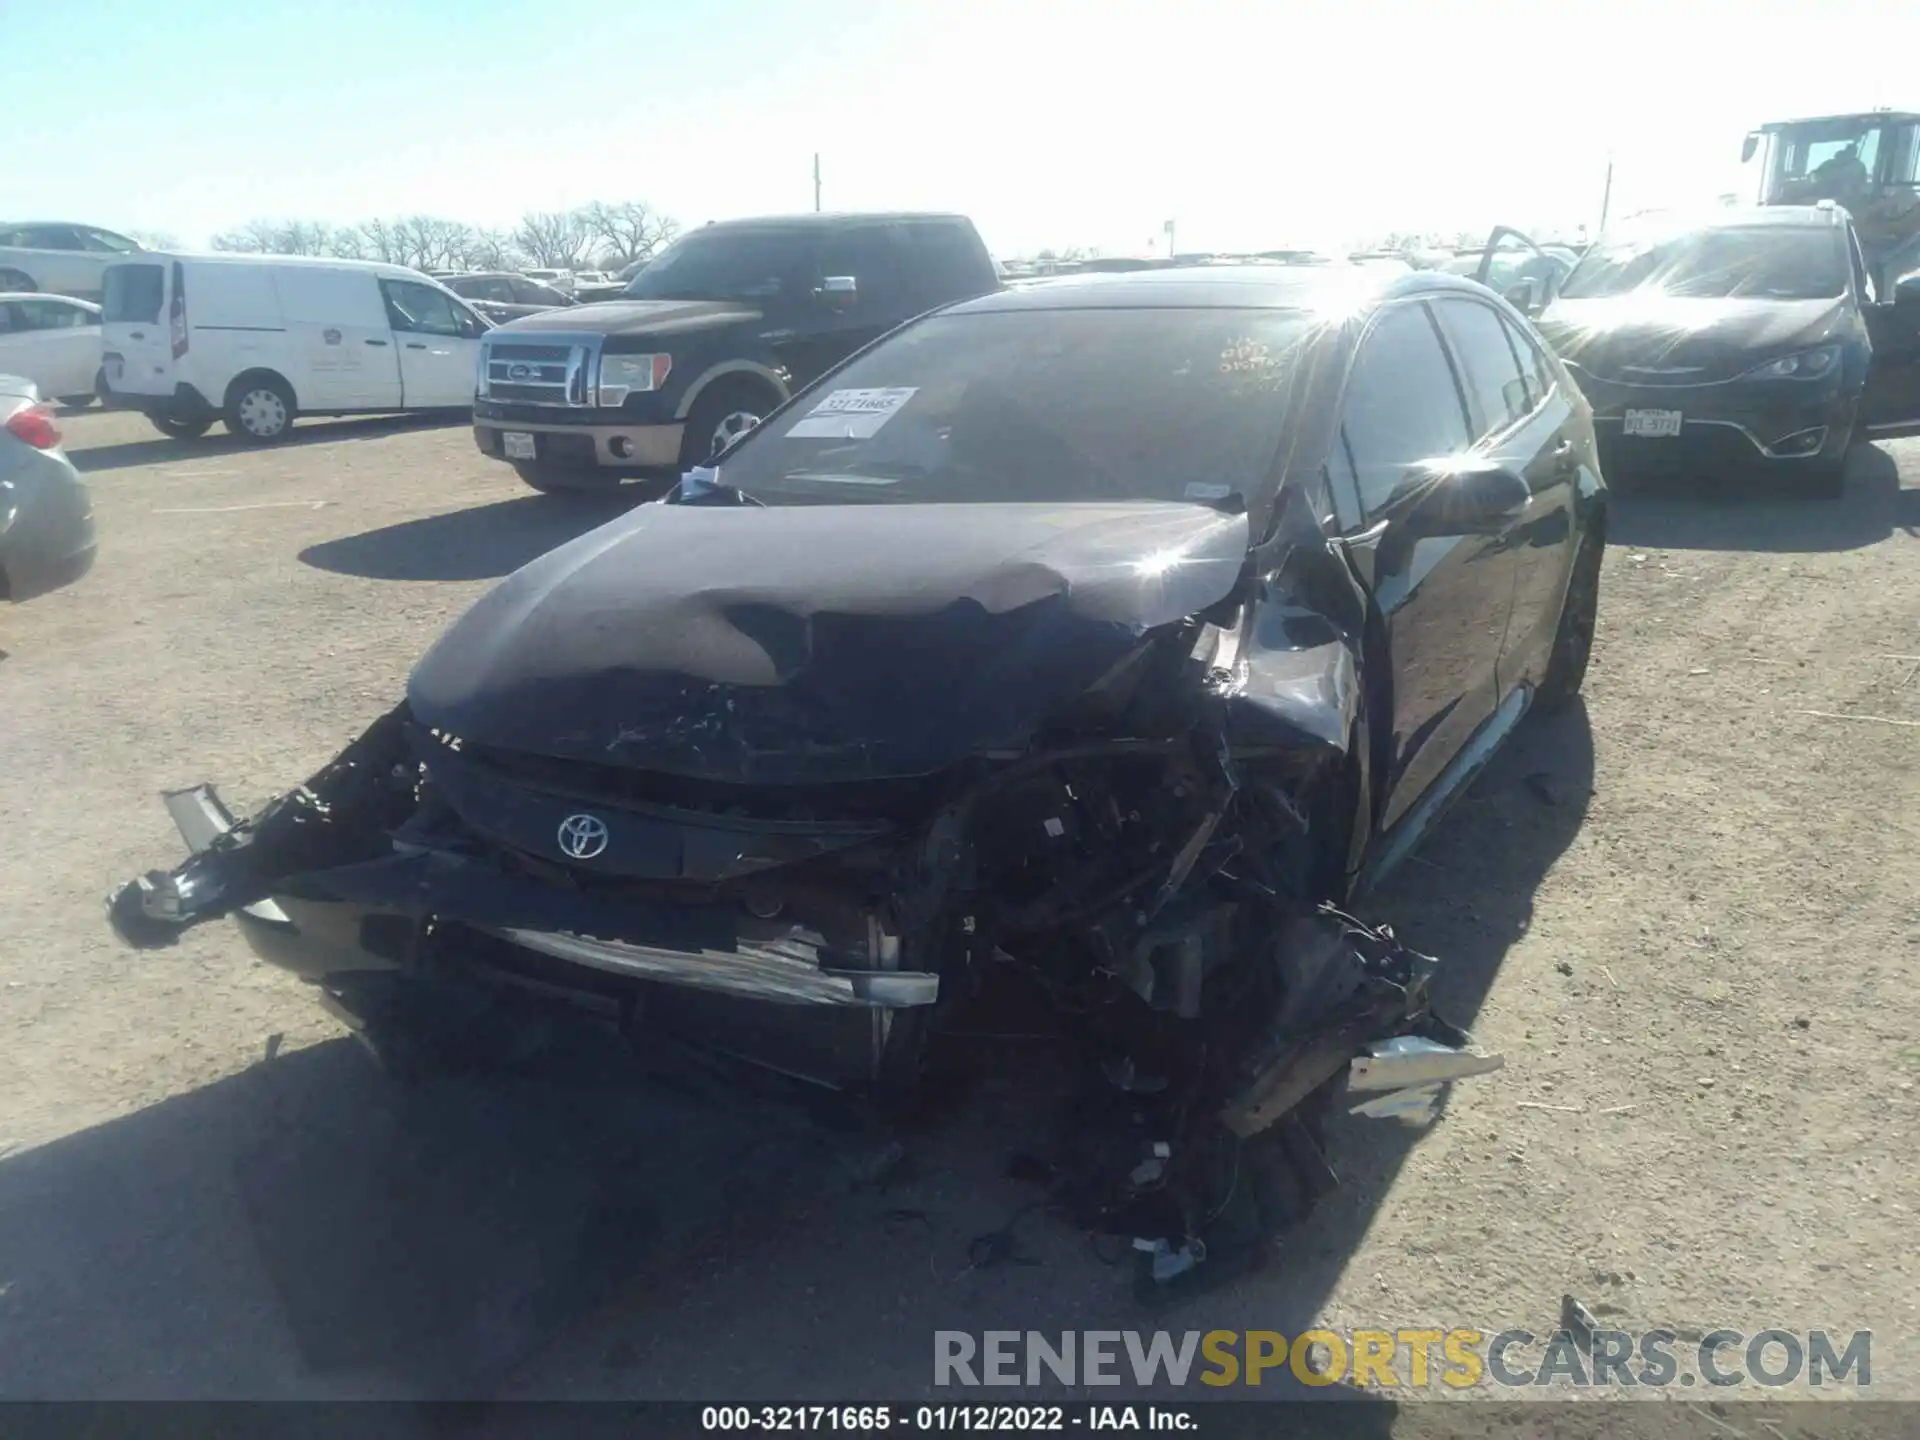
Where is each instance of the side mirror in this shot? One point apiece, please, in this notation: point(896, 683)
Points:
point(1526, 296)
point(839, 291)
point(1461, 496)
point(1751, 144)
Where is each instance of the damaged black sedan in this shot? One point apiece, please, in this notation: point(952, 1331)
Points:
point(1118, 632)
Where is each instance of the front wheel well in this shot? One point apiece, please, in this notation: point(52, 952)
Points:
point(744, 384)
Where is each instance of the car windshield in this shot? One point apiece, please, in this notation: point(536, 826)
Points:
point(1039, 405)
point(1773, 262)
point(723, 265)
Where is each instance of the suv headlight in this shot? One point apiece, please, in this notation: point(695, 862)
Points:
point(623, 375)
point(1812, 364)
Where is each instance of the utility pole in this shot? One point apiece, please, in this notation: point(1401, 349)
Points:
point(816, 181)
point(1606, 197)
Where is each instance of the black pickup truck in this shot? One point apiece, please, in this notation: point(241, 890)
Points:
point(716, 331)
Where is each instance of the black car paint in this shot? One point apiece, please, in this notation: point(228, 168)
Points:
point(784, 341)
point(1651, 350)
point(774, 646)
point(747, 692)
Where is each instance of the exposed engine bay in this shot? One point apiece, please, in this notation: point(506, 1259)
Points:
point(1162, 861)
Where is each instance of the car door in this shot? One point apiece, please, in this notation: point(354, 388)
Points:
point(840, 323)
point(1519, 271)
point(439, 344)
point(1891, 403)
point(66, 335)
point(1443, 600)
point(1523, 421)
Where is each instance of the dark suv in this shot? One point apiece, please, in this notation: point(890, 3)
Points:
point(713, 334)
point(1746, 340)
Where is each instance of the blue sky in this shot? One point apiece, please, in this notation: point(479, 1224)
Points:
point(1254, 124)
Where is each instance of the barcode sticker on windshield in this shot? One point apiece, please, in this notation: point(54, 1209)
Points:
point(851, 414)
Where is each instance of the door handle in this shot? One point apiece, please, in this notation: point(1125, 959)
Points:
point(415, 345)
point(137, 335)
point(380, 343)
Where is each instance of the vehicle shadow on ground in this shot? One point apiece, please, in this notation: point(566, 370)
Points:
point(163, 448)
point(480, 543)
point(1732, 512)
point(306, 1228)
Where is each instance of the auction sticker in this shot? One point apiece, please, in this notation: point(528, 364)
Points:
point(851, 414)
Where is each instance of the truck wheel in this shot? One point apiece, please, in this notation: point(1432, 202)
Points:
point(260, 408)
point(564, 479)
point(722, 415)
point(76, 402)
point(176, 428)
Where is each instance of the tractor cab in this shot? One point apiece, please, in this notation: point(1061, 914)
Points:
point(1869, 163)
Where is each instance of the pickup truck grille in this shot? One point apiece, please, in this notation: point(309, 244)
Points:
point(538, 372)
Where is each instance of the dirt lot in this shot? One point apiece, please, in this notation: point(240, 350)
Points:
point(1690, 917)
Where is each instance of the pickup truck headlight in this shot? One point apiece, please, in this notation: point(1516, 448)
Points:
point(1812, 364)
point(623, 375)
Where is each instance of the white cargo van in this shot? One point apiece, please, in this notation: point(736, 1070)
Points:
point(255, 340)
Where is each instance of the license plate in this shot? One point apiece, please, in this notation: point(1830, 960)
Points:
point(1652, 424)
point(517, 444)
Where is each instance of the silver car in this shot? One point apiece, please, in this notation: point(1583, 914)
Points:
point(46, 514)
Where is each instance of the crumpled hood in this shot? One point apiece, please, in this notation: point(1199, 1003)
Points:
point(1678, 340)
point(808, 644)
point(632, 317)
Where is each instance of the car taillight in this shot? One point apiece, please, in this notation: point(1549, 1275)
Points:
point(34, 426)
point(177, 312)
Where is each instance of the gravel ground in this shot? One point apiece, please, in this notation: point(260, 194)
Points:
point(1689, 916)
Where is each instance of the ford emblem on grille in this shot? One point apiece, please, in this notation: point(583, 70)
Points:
point(524, 372)
point(583, 836)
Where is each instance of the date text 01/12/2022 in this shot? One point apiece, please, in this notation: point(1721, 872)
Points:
point(987, 1419)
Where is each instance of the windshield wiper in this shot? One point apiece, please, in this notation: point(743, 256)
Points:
point(709, 489)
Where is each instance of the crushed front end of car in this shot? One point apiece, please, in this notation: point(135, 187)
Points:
point(809, 812)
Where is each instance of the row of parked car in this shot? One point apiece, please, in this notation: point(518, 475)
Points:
point(1749, 339)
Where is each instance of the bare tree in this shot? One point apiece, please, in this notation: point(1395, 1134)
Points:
point(376, 240)
point(491, 250)
point(626, 231)
point(427, 242)
point(554, 238)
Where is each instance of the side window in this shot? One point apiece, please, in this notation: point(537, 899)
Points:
point(1533, 361)
point(53, 237)
point(49, 315)
point(8, 322)
point(949, 262)
point(495, 288)
point(532, 292)
point(1496, 390)
point(871, 254)
point(1402, 404)
point(421, 309)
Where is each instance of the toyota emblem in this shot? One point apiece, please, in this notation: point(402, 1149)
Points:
point(525, 372)
point(583, 836)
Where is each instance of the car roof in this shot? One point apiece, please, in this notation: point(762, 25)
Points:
point(1735, 217)
point(1223, 287)
point(292, 262)
point(823, 220)
point(1896, 116)
point(43, 295)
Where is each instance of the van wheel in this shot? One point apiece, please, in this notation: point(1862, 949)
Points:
point(178, 429)
point(260, 408)
point(721, 416)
